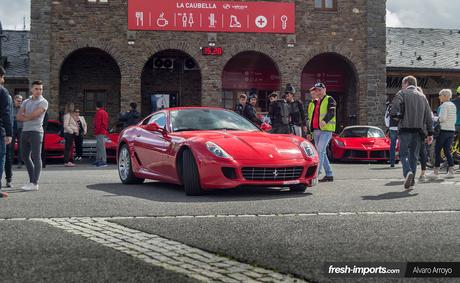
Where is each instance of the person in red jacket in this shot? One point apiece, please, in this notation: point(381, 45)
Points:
point(101, 124)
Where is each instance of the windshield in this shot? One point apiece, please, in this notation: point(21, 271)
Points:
point(363, 132)
point(209, 119)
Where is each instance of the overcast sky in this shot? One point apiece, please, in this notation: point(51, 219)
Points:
point(400, 13)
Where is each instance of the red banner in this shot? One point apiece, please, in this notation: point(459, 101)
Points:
point(211, 16)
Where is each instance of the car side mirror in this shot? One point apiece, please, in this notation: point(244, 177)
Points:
point(265, 127)
point(153, 127)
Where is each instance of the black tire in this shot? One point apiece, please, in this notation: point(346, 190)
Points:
point(299, 188)
point(191, 176)
point(125, 169)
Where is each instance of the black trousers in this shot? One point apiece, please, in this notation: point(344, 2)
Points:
point(69, 140)
point(79, 145)
point(9, 162)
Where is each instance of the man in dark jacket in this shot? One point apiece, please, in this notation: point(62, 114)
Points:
point(250, 112)
point(130, 117)
point(414, 115)
point(296, 112)
point(242, 100)
point(279, 114)
point(6, 125)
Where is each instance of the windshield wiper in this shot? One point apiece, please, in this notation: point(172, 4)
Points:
point(226, 129)
point(187, 129)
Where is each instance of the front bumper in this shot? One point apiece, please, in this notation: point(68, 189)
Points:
point(212, 175)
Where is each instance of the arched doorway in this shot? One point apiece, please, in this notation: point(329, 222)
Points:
point(170, 78)
point(337, 73)
point(249, 70)
point(89, 75)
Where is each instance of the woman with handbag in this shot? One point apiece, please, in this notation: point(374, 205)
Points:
point(83, 128)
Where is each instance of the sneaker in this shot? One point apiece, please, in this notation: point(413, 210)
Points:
point(409, 180)
point(434, 174)
point(95, 163)
point(3, 194)
point(30, 187)
point(69, 164)
point(8, 184)
point(422, 178)
point(326, 179)
point(450, 173)
point(101, 164)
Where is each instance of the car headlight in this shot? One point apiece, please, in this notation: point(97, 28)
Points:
point(339, 143)
point(217, 150)
point(308, 149)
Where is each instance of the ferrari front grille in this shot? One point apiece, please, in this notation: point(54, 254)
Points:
point(271, 174)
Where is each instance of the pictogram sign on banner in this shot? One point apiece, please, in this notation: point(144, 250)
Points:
point(211, 16)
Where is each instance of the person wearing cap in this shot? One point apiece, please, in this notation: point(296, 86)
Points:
point(250, 112)
point(6, 125)
point(242, 100)
point(321, 114)
point(296, 112)
point(279, 114)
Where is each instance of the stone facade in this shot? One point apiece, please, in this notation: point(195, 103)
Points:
point(355, 32)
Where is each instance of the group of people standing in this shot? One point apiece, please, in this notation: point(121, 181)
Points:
point(411, 120)
point(288, 116)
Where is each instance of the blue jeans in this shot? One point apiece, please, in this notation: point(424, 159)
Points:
point(2, 157)
point(409, 151)
point(322, 139)
point(444, 141)
point(393, 139)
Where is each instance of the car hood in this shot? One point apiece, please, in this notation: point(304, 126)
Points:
point(253, 145)
point(365, 143)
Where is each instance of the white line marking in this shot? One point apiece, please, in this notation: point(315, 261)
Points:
point(165, 253)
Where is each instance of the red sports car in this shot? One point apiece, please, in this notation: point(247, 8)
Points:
point(360, 143)
point(205, 148)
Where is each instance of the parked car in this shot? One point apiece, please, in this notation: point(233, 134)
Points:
point(206, 148)
point(360, 143)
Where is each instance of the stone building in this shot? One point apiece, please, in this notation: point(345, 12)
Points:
point(84, 52)
point(14, 57)
point(431, 55)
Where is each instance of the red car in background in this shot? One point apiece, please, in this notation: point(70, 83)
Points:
point(205, 148)
point(55, 144)
point(360, 143)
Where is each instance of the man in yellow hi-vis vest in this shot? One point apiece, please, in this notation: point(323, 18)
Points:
point(321, 116)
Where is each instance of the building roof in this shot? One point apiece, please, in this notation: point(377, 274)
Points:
point(423, 49)
point(15, 49)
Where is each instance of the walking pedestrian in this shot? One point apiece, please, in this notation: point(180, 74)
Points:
point(6, 125)
point(32, 113)
point(100, 123)
point(447, 119)
point(71, 132)
point(130, 117)
point(296, 112)
point(392, 125)
point(414, 115)
point(9, 150)
point(242, 100)
point(17, 130)
point(322, 114)
point(279, 114)
point(82, 130)
point(456, 101)
point(250, 112)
